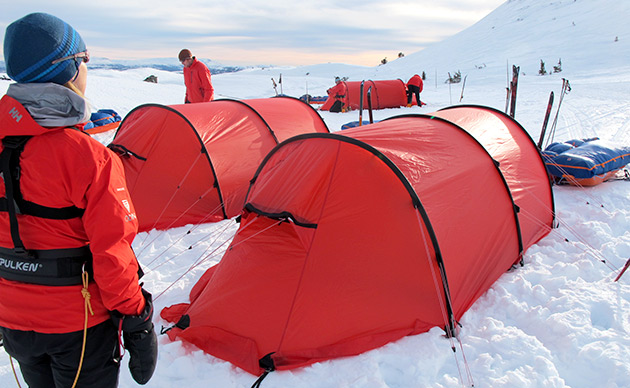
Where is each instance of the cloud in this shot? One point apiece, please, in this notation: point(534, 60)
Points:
point(324, 29)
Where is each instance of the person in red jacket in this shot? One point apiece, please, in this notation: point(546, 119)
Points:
point(414, 87)
point(68, 275)
point(197, 79)
point(340, 93)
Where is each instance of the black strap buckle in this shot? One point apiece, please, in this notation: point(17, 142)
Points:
point(14, 142)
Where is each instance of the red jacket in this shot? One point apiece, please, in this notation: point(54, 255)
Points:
point(63, 167)
point(198, 84)
point(417, 81)
point(339, 92)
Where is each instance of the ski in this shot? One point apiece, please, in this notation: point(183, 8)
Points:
point(544, 126)
point(280, 82)
point(275, 86)
point(461, 96)
point(513, 88)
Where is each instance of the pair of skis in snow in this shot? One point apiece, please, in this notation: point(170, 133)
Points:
point(510, 99)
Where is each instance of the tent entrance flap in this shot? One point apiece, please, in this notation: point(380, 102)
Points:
point(283, 216)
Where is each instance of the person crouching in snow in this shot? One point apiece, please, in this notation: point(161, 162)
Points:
point(68, 276)
point(339, 93)
point(197, 79)
point(414, 87)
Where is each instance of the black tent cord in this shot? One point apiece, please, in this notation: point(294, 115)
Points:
point(268, 365)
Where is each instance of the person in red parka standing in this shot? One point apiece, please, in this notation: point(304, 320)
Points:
point(414, 87)
point(69, 278)
point(197, 79)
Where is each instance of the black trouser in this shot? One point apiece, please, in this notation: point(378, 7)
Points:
point(52, 360)
point(411, 90)
point(337, 106)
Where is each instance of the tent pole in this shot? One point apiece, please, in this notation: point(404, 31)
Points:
point(369, 102)
point(361, 104)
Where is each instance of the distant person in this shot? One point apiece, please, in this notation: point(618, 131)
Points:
point(196, 78)
point(69, 278)
point(339, 93)
point(414, 87)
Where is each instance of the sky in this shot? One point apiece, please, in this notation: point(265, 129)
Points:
point(254, 32)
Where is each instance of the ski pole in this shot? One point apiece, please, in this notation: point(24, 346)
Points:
point(507, 89)
point(565, 89)
point(544, 126)
point(507, 99)
point(625, 267)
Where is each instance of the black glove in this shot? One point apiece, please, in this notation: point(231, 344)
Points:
point(140, 340)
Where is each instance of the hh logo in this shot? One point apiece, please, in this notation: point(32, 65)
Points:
point(16, 115)
point(126, 204)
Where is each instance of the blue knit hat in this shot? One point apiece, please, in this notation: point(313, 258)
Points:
point(33, 42)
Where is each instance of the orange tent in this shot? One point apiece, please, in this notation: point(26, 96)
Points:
point(192, 163)
point(384, 94)
point(350, 241)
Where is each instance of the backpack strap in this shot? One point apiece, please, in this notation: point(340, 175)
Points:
point(14, 203)
point(11, 144)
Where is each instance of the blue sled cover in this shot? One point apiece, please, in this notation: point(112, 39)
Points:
point(585, 158)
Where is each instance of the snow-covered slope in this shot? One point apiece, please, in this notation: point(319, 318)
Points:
point(588, 35)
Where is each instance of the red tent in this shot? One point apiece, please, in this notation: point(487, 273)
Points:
point(350, 241)
point(518, 157)
point(384, 94)
point(192, 163)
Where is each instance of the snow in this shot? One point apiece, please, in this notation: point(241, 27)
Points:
point(558, 321)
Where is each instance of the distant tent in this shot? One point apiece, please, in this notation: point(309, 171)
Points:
point(384, 94)
point(352, 240)
point(192, 163)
